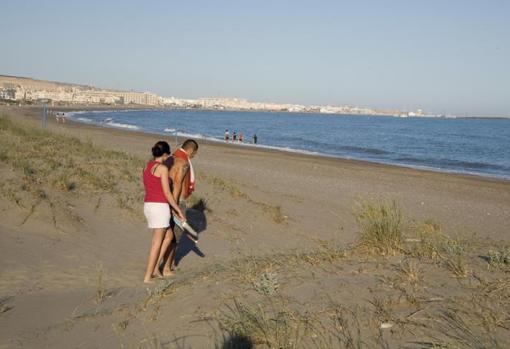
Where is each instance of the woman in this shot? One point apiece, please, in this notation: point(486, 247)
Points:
point(156, 206)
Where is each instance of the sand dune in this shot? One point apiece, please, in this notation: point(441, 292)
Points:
point(278, 231)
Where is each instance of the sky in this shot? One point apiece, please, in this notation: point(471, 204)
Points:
point(444, 56)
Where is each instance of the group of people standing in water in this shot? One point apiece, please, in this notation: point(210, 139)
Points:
point(237, 138)
point(167, 179)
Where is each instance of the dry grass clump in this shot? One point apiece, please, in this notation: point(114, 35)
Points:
point(55, 164)
point(276, 327)
point(225, 185)
point(272, 323)
point(436, 246)
point(456, 328)
point(499, 258)
point(248, 269)
point(267, 283)
point(274, 211)
point(381, 226)
point(411, 270)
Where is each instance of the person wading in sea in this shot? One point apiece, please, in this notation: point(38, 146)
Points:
point(182, 176)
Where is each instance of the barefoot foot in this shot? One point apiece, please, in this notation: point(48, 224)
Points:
point(168, 273)
point(157, 275)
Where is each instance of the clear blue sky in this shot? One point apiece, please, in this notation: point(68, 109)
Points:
point(446, 56)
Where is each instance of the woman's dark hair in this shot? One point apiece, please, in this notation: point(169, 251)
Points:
point(160, 148)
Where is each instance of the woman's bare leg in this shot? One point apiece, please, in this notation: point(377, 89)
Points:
point(163, 253)
point(157, 239)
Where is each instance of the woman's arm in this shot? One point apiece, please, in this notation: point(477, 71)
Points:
point(163, 172)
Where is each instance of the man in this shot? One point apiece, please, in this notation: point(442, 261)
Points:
point(182, 178)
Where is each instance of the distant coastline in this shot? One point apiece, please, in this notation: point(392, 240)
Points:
point(25, 90)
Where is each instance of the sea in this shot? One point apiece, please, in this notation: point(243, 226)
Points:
point(479, 146)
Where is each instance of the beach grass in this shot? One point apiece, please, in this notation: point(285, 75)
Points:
point(51, 165)
point(381, 226)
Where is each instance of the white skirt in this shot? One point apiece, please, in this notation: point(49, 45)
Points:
point(157, 214)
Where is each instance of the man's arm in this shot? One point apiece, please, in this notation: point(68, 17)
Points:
point(177, 174)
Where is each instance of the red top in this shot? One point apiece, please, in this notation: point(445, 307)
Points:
point(152, 184)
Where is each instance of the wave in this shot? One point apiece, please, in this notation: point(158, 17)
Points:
point(196, 135)
point(310, 143)
point(171, 130)
point(448, 163)
point(364, 150)
point(87, 120)
point(117, 124)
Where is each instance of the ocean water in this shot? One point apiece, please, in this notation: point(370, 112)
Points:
point(474, 146)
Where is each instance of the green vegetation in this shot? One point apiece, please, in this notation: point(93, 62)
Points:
point(423, 301)
point(381, 227)
point(499, 258)
point(48, 166)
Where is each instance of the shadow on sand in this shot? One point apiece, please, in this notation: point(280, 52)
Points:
point(197, 219)
point(237, 342)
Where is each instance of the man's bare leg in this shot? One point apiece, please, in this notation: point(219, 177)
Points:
point(169, 259)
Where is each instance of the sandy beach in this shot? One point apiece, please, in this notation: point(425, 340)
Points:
point(277, 229)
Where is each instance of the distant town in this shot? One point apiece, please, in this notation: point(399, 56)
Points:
point(21, 90)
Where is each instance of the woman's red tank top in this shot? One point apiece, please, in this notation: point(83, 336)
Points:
point(152, 184)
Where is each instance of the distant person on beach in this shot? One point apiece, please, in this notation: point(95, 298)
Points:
point(157, 202)
point(182, 176)
point(241, 137)
point(255, 139)
point(227, 136)
point(234, 136)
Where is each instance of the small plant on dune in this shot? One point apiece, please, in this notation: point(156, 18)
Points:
point(434, 245)
point(275, 212)
point(383, 309)
point(267, 283)
point(161, 288)
point(454, 256)
point(278, 327)
point(411, 270)
point(347, 327)
point(381, 226)
point(429, 238)
point(101, 291)
point(455, 325)
point(499, 258)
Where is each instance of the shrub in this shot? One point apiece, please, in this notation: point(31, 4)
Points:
point(381, 226)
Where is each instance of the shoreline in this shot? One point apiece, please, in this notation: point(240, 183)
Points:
point(257, 148)
point(220, 142)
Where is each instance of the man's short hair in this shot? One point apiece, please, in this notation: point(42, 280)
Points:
point(190, 143)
